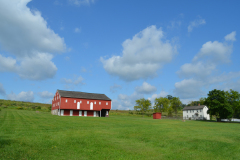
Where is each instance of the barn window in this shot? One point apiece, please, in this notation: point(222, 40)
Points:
point(106, 103)
point(71, 112)
point(80, 101)
point(85, 113)
point(80, 113)
point(99, 103)
point(58, 103)
point(106, 112)
point(95, 102)
point(87, 102)
point(66, 100)
point(74, 101)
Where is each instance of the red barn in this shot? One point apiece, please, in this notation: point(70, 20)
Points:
point(71, 103)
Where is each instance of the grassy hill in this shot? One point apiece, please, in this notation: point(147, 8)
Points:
point(25, 105)
point(40, 135)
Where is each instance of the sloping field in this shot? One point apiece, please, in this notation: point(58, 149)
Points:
point(31, 135)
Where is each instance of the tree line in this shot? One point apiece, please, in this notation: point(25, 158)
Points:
point(221, 104)
point(167, 104)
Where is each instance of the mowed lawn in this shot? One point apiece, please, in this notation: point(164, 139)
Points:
point(32, 135)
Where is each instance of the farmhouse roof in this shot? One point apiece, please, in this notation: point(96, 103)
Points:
point(84, 95)
point(193, 107)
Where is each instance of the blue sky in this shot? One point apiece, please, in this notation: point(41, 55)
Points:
point(124, 49)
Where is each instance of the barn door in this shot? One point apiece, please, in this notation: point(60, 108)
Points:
point(91, 106)
point(85, 113)
point(94, 114)
point(62, 112)
point(80, 113)
point(78, 105)
point(71, 112)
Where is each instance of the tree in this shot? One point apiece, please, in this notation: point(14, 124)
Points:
point(142, 105)
point(169, 97)
point(161, 104)
point(175, 104)
point(202, 101)
point(233, 98)
point(218, 104)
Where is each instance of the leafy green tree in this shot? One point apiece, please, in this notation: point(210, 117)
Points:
point(202, 101)
point(176, 104)
point(218, 104)
point(161, 104)
point(169, 97)
point(233, 98)
point(142, 105)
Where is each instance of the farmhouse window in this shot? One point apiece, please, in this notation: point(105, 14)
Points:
point(99, 103)
point(74, 101)
point(187, 116)
point(87, 102)
point(200, 110)
point(106, 103)
point(187, 111)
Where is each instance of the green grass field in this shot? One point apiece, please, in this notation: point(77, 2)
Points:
point(31, 135)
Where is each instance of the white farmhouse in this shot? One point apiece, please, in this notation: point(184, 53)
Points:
point(196, 112)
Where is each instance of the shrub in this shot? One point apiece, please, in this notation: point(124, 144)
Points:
point(189, 118)
point(20, 108)
point(38, 107)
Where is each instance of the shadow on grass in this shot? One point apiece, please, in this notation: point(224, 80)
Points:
point(5, 141)
point(217, 122)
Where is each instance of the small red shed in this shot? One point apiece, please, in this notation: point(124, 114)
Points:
point(157, 115)
point(72, 103)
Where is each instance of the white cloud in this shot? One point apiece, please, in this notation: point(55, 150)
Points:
point(68, 81)
point(25, 35)
point(46, 94)
point(146, 88)
point(38, 68)
point(2, 90)
point(216, 51)
point(203, 72)
point(77, 30)
point(114, 88)
point(126, 102)
point(154, 96)
point(7, 64)
point(23, 96)
point(72, 83)
point(81, 2)
point(196, 23)
point(198, 69)
point(142, 56)
point(188, 88)
point(231, 36)
point(79, 80)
